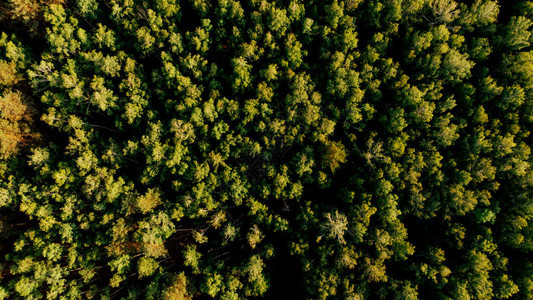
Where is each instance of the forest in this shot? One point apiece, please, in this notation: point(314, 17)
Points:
point(261, 149)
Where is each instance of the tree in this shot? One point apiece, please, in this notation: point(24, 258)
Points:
point(335, 226)
point(518, 34)
point(15, 118)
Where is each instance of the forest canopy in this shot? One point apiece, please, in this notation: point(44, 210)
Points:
point(290, 149)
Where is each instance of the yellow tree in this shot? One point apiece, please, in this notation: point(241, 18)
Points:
point(14, 123)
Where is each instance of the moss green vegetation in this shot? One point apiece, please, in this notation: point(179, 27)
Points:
point(290, 149)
